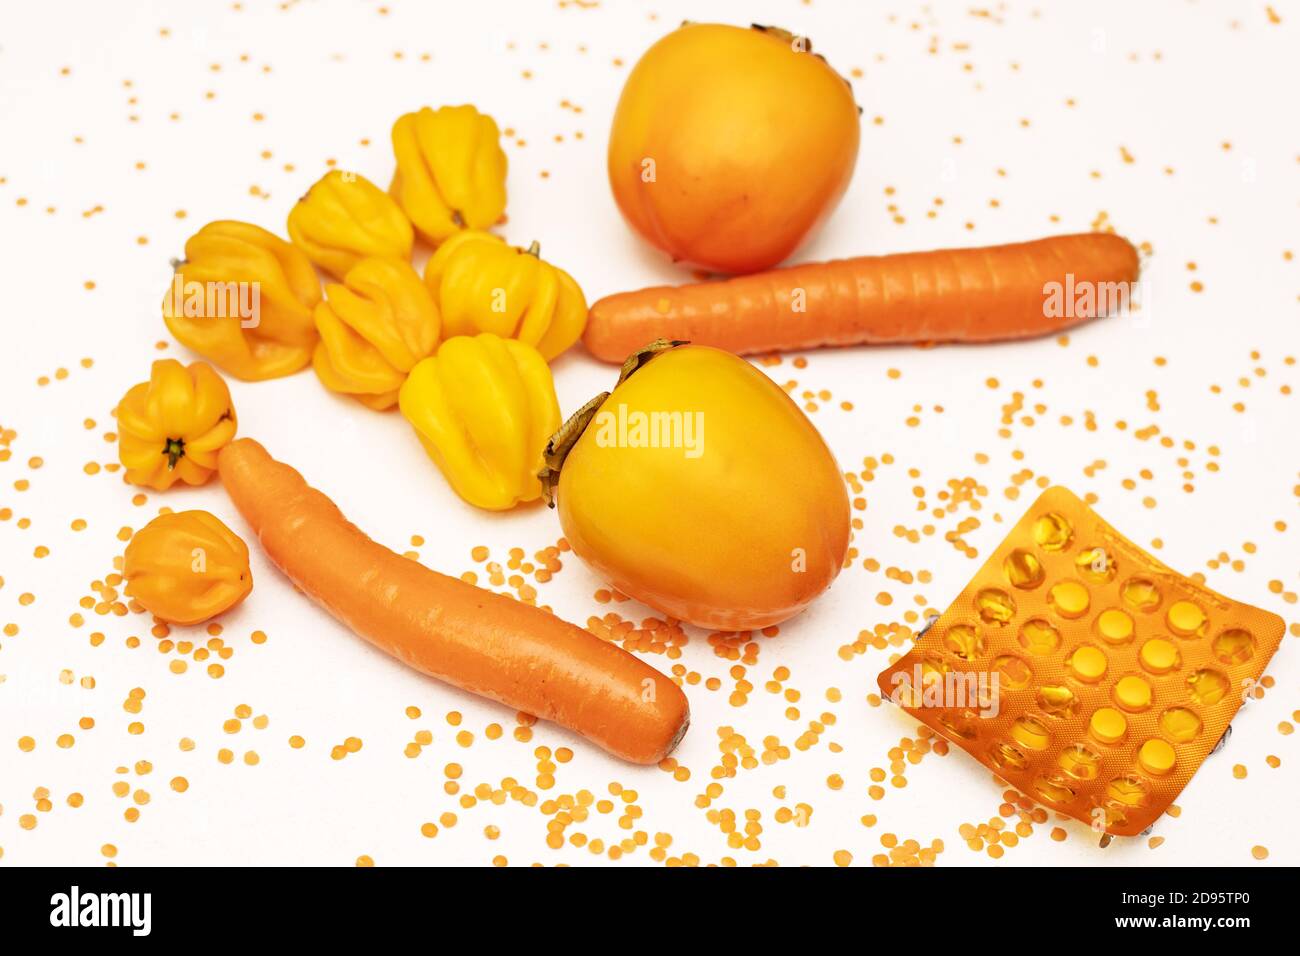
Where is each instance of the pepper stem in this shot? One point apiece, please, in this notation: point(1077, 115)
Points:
point(175, 451)
point(534, 249)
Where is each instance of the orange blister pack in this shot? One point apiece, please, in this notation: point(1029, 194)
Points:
point(1083, 671)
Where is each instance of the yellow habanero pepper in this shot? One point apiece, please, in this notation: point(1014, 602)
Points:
point(186, 567)
point(242, 298)
point(373, 329)
point(451, 170)
point(481, 284)
point(484, 407)
point(172, 426)
point(345, 218)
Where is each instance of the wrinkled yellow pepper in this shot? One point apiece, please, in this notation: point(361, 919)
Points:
point(171, 427)
point(484, 408)
point(186, 567)
point(451, 170)
point(242, 298)
point(481, 284)
point(345, 218)
point(373, 329)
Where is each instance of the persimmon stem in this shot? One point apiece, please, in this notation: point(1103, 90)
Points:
point(562, 442)
point(800, 44)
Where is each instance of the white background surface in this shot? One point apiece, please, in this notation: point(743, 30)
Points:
point(1170, 82)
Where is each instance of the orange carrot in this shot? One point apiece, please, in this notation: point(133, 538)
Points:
point(951, 295)
point(483, 642)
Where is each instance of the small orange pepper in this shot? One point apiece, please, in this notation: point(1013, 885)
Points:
point(242, 298)
point(172, 426)
point(345, 218)
point(186, 567)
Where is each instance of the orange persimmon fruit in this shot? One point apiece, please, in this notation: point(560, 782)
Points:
point(699, 488)
point(730, 145)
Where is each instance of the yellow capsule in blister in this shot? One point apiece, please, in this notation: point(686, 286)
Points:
point(1159, 656)
point(1052, 532)
point(1088, 664)
point(1108, 725)
point(1207, 687)
point(1039, 637)
point(1115, 626)
point(1078, 761)
point(1069, 599)
point(1141, 593)
point(995, 606)
point(1128, 790)
point(964, 641)
point(1157, 757)
point(1095, 565)
point(1180, 724)
point(1186, 619)
point(1133, 693)
point(1056, 700)
point(1053, 790)
point(1023, 570)
point(1030, 733)
point(1114, 675)
point(1234, 646)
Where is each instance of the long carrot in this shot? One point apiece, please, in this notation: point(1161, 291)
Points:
point(950, 295)
point(483, 642)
